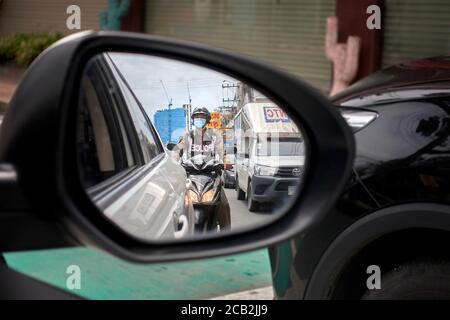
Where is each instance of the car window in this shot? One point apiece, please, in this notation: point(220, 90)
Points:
point(150, 147)
point(280, 147)
point(148, 140)
point(126, 140)
point(101, 133)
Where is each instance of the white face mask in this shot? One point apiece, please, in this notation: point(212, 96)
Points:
point(199, 122)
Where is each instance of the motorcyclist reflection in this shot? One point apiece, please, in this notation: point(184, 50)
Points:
point(201, 153)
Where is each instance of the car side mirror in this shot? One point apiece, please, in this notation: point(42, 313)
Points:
point(170, 146)
point(116, 190)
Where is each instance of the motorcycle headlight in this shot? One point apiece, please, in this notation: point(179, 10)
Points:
point(208, 196)
point(265, 170)
point(356, 118)
point(193, 196)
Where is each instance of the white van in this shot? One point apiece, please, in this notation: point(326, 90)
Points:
point(269, 155)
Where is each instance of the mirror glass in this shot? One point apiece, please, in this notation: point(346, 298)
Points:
point(169, 150)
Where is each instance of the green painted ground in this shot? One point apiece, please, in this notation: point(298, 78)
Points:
point(106, 277)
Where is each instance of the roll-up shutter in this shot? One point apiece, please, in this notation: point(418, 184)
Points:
point(287, 33)
point(415, 29)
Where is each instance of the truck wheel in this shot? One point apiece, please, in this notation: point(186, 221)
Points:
point(252, 205)
point(414, 281)
point(239, 192)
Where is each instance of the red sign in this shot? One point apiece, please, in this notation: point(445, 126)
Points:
point(214, 123)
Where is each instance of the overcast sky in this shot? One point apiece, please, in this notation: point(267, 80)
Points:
point(147, 74)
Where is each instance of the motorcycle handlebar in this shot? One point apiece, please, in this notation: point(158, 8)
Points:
point(189, 167)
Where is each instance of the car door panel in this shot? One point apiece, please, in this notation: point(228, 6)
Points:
point(146, 209)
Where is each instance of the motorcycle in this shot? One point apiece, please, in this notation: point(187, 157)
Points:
point(204, 188)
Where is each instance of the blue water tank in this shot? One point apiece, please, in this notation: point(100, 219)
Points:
point(171, 124)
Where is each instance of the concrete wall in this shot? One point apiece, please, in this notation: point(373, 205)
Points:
point(47, 15)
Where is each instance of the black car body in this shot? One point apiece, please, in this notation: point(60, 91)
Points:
point(229, 178)
point(395, 208)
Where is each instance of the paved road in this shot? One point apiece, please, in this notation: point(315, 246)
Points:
point(240, 216)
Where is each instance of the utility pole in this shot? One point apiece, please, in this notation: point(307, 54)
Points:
point(227, 86)
point(187, 109)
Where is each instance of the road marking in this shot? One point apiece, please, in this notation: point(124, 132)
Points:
point(107, 277)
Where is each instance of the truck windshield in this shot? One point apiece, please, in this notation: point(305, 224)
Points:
point(280, 147)
point(229, 150)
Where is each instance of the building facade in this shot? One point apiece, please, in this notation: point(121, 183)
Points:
point(287, 33)
point(27, 16)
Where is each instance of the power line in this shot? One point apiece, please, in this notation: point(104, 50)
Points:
point(228, 86)
point(169, 100)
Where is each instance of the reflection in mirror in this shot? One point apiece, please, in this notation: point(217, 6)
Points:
point(169, 150)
